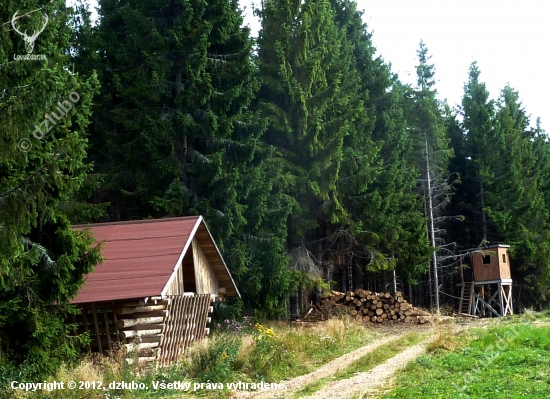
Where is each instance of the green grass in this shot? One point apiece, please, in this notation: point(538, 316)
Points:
point(506, 361)
point(283, 352)
point(318, 345)
point(365, 363)
point(521, 369)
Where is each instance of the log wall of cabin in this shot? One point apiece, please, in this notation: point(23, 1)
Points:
point(206, 281)
point(130, 324)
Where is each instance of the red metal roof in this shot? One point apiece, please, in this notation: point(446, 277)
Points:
point(140, 257)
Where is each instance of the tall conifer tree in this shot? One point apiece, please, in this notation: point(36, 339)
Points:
point(505, 165)
point(515, 202)
point(310, 93)
point(480, 143)
point(42, 261)
point(377, 177)
point(174, 119)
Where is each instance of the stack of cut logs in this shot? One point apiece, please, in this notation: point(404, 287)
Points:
point(142, 323)
point(373, 307)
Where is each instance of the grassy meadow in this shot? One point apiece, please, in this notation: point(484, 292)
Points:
point(508, 360)
point(503, 358)
point(234, 352)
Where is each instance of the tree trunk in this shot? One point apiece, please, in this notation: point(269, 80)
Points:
point(432, 233)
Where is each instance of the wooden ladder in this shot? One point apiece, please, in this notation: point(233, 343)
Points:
point(466, 295)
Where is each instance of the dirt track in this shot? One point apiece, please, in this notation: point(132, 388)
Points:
point(367, 383)
point(347, 387)
point(371, 380)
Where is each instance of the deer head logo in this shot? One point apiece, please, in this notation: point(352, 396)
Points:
point(29, 40)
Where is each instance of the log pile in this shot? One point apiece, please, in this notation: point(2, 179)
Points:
point(373, 307)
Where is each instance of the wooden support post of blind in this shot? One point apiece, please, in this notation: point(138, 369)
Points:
point(475, 303)
point(461, 303)
point(486, 305)
point(96, 326)
point(472, 291)
point(482, 295)
point(107, 332)
point(492, 298)
point(504, 309)
point(501, 300)
point(510, 303)
point(507, 299)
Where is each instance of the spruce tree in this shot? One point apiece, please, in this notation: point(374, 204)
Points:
point(377, 178)
point(44, 112)
point(503, 195)
point(536, 272)
point(480, 143)
point(516, 202)
point(310, 94)
point(174, 119)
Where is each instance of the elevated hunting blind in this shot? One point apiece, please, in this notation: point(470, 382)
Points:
point(492, 263)
point(486, 287)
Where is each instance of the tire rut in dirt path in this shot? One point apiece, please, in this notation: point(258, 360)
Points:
point(372, 380)
point(324, 371)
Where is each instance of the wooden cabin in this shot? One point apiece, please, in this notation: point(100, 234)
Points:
point(154, 290)
point(486, 287)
